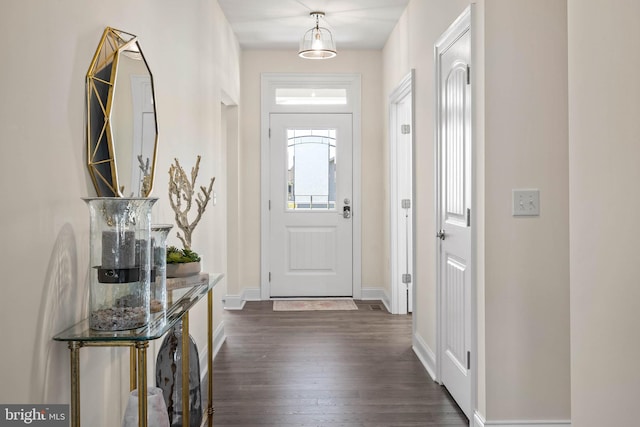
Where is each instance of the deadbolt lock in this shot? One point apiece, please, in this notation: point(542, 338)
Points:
point(346, 212)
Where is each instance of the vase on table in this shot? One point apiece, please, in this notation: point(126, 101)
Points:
point(157, 415)
point(120, 257)
point(159, 233)
point(169, 378)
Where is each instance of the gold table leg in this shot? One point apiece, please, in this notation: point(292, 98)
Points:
point(210, 409)
point(74, 347)
point(133, 369)
point(185, 370)
point(141, 347)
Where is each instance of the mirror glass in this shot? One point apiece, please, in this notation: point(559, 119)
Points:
point(122, 131)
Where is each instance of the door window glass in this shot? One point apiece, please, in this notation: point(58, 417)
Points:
point(311, 174)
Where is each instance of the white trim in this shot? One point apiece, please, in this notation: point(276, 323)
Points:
point(233, 302)
point(426, 356)
point(237, 302)
point(479, 421)
point(219, 338)
point(457, 29)
point(381, 294)
point(403, 90)
point(474, 214)
point(310, 298)
point(251, 294)
point(269, 82)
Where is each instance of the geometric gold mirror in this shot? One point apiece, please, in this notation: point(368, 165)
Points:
point(122, 131)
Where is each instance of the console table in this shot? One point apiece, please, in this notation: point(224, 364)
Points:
point(180, 301)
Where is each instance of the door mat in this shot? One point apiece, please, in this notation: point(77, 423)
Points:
point(313, 305)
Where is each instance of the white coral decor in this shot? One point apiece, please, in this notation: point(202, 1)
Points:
point(181, 192)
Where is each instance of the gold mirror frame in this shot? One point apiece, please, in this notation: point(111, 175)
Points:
point(122, 126)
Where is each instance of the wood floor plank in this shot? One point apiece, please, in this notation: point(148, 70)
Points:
point(324, 368)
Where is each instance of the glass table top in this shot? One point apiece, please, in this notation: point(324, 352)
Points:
point(180, 301)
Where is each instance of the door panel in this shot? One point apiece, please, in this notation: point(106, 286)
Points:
point(455, 290)
point(454, 148)
point(311, 249)
point(311, 185)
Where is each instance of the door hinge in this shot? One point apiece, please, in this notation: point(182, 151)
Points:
point(468, 217)
point(468, 360)
point(406, 203)
point(468, 75)
point(405, 129)
point(269, 132)
point(406, 278)
point(269, 277)
point(269, 204)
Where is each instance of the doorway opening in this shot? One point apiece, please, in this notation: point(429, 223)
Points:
point(401, 143)
point(310, 185)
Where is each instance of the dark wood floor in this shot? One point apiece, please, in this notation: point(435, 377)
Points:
point(321, 368)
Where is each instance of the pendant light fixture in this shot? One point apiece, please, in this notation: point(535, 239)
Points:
point(317, 43)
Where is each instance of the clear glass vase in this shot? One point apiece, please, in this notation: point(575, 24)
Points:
point(169, 378)
point(120, 257)
point(159, 234)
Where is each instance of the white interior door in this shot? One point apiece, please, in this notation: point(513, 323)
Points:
point(454, 204)
point(310, 205)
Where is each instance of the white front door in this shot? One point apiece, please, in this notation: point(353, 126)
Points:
point(454, 204)
point(310, 205)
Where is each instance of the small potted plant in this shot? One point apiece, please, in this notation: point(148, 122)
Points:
point(185, 262)
point(182, 262)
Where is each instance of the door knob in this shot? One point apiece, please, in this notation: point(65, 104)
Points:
point(440, 235)
point(346, 212)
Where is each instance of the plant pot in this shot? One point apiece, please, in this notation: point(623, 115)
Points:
point(183, 269)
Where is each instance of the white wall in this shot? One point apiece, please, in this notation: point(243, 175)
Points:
point(520, 79)
point(369, 64)
point(526, 273)
point(604, 149)
point(47, 47)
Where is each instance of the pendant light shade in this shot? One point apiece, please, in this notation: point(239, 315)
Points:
point(317, 43)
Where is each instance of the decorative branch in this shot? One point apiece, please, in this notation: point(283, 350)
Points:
point(181, 191)
point(146, 176)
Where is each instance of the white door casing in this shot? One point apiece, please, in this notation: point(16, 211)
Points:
point(350, 84)
point(453, 201)
point(311, 188)
point(401, 125)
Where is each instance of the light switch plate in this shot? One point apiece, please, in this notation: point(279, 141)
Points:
point(526, 202)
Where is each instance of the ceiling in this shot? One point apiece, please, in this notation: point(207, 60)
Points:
point(280, 24)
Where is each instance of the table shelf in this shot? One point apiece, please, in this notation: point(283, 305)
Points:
point(181, 300)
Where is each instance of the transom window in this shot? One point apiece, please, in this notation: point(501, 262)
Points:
point(311, 96)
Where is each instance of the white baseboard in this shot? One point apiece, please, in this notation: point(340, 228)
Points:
point(218, 339)
point(233, 302)
point(236, 302)
point(252, 294)
point(479, 421)
point(426, 356)
point(377, 294)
